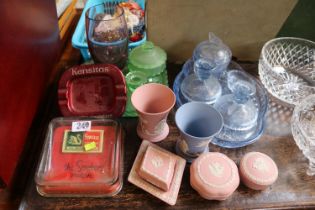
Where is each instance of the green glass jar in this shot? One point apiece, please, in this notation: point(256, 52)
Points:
point(149, 59)
point(146, 64)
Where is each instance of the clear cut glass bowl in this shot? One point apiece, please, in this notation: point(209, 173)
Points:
point(302, 126)
point(287, 68)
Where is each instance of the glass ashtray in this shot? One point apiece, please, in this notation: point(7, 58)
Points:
point(81, 157)
point(287, 68)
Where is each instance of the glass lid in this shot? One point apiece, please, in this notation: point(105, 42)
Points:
point(215, 50)
point(238, 109)
point(201, 86)
point(147, 57)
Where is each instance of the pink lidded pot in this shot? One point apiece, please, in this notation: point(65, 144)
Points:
point(214, 176)
point(258, 170)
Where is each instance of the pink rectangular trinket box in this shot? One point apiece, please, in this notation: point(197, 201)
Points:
point(157, 167)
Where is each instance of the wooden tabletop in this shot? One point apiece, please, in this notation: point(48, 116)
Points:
point(293, 189)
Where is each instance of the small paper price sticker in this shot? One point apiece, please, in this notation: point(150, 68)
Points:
point(81, 126)
point(90, 146)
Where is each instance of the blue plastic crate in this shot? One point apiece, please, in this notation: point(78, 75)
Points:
point(79, 36)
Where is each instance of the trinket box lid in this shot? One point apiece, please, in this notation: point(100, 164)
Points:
point(157, 167)
point(170, 196)
point(258, 170)
point(214, 176)
point(90, 90)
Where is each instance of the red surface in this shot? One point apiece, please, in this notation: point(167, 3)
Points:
point(29, 40)
point(68, 167)
point(90, 90)
point(93, 94)
point(83, 173)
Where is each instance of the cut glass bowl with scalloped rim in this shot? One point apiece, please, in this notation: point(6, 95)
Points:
point(287, 68)
point(302, 125)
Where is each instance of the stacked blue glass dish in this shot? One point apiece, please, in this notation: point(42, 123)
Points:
point(212, 78)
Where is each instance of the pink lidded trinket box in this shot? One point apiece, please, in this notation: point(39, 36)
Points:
point(157, 171)
point(157, 167)
point(258, 170)
point(214, 176)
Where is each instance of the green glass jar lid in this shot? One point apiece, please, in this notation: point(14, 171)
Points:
point(147, 57)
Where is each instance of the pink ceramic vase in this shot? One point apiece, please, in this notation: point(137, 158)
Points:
point(153, 102)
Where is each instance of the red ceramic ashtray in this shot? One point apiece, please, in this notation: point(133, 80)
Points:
point(90, 90)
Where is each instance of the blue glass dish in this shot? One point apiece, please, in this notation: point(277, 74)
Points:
point(245, 134)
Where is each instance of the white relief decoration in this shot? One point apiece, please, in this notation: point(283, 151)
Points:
point(143, 122)
point(216, 169)
point(260, 164)
point(183, 146)
point(157, 129)
point(157, 162)
point(202, 144)
point(160, 126)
